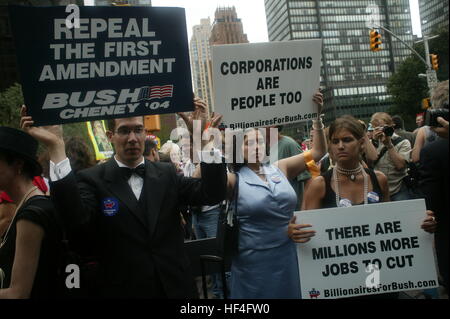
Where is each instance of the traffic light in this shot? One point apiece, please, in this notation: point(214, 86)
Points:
point(426, 103)
point(375, 40)
point(434, 61)
point(152, 123)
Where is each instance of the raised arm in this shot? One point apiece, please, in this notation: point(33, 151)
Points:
point(418, 144)
point(50, 136)
point(74, 201)
point(369, 150)
point(211, 189)
point(200, 112)
point(293, 166)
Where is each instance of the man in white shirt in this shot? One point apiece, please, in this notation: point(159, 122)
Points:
point(131, 205)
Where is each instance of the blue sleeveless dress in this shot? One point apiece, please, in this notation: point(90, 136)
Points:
point(266, 265)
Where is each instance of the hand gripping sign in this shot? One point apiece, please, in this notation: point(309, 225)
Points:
point(266, 84)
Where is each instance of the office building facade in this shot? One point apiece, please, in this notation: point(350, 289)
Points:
point(433, 15)
point(353, 78)
point(200, 53)
point(227, 28)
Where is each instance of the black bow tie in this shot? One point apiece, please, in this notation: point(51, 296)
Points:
point(139, 170)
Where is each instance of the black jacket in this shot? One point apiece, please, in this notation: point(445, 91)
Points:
point(140, 246)
point(434, 184)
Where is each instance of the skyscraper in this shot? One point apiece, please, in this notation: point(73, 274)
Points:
point(433, 15)
point(227, 28)
point(353, 78)
point(199, 50)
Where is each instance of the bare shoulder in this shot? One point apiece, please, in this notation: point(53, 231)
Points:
point(382, 180)
point(231, 179)
point(317, 186)
point(380, 176)
point(315, 192)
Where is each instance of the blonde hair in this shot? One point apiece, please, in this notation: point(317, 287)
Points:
point(382, 116)
point(171, 149)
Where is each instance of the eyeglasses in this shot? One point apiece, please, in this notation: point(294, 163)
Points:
point(125, 131)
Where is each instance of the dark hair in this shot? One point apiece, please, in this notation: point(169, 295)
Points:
point(111, 124)
point(44, 160)
point(279, 127)
point(398, 122)
point(164, 157)
point(363, 124)
point(79, 154)
point(349, 123)
point(29, 169)
point(150, 144)
point(235, 167)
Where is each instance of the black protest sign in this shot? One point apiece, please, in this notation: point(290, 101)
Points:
point(120, 62)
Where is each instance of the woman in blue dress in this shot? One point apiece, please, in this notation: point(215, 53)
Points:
point(266, 263)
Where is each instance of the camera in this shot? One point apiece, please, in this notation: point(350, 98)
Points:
point(432, 114)
point(388, 130)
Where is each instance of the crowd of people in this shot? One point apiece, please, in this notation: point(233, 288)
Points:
point(133, 213)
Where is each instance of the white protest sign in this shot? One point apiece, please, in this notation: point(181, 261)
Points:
point(341, 260)
point(266, 84)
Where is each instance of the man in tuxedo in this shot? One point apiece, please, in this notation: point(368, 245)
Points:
point(130, 204)
point(434, 180)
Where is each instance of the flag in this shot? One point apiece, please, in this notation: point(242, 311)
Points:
point(156, 92)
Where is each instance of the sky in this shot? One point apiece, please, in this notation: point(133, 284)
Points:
point(251, 12)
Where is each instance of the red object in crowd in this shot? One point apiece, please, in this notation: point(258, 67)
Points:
point(304, 147)
point(5, 198)
point(37, 181)
point(40, 183)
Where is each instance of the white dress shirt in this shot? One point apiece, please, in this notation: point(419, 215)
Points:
point(63, 168)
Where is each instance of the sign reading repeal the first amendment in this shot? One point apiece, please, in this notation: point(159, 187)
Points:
point(366, 249)
point(119, 62)
point(266, 84)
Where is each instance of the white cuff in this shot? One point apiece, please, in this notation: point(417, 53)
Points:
point(214, 156)
point(60, 170)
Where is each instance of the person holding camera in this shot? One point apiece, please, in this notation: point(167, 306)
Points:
point(393, 154)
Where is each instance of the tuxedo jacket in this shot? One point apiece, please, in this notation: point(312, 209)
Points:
point(140, 243)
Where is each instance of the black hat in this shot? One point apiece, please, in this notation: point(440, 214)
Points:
point(22, 144)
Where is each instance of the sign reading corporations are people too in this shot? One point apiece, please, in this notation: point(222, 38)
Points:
point(266, 84)
point(111, 62)
point(363, 250)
